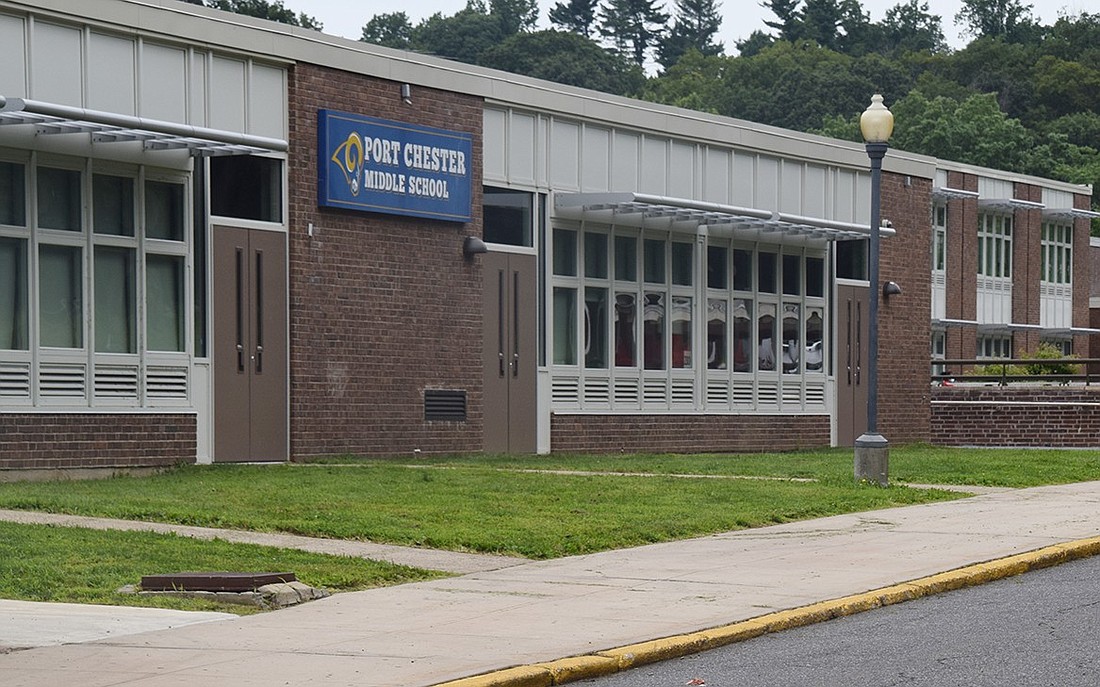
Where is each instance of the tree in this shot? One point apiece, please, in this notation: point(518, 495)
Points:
point(392, 30)
point(788, 19)
point(575, 16)
point(909, 27)
point(515, 15)
point(994, 18)
point(696, 24)
point(632, 26)
point(757, 41)
point(567, 58)
point(463, 36)
point(262, 9)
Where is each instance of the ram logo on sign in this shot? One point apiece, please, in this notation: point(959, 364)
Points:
point(375, 165)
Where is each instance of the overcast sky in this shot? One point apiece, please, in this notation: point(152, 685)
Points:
point(742, 17)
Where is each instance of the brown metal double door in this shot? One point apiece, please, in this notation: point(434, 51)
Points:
point(509, 307)
point(851, 371)
point(250, 345)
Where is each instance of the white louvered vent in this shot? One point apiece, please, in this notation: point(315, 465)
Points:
point(718, 392)
point(683, 392)
point(655, 391)
point(626, 392)
point(15, 380)
point(564, 390)
point(597, 391)
point(815, 395)
point(165, 382)
point(62, 380)
point(768, 394)
point(116, 381)
point(743, 394)
point(792, 394)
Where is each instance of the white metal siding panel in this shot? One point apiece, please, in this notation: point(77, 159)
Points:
point(813, 195)
point(844, 195)
point(790, 187)
point(767, 183)
point(863, 201)
point(716, 175)
point(267, 101)
point(13, 68)
point(994, 188)
point(744, 179)
point(495, 131)
point(197, 87)
point(941, 178)
point(55, 65)
point(163, 83)
point(655, 171)
point(1052, 198)
point(682, 172)
point(227, 84)
point(564, 155)
point(624, 161)
point(521, 149)
point(112, 77)
point(595, 158)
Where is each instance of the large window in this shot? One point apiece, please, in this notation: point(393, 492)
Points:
point(657, 320)
point(94, 286)
point(1057, 254)
point(939, 238)
point(995, 245)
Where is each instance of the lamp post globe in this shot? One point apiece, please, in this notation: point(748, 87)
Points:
point(872, 450)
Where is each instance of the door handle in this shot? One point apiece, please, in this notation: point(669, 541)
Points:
point(515, 323)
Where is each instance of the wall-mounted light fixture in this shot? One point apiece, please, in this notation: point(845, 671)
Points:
point(472, 246)
point(890, 288)
point(406, 94)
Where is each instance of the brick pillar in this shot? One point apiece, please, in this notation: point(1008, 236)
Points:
point(1027, 236)
point(905, 321)
point(962, 265)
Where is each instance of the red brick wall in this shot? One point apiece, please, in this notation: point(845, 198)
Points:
point(962, 267)
point(905, 320)
point(1026, 269)
point(1055, 417)
point(687, 433)
point(46, 441)
point(1085, 274)
point(381, 307)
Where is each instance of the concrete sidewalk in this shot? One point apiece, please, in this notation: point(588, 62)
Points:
point(534, 613)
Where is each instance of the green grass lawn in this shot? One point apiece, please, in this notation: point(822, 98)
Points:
point(75, 565)
point(498, 504)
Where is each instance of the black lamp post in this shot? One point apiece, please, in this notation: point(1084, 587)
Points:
point(872, 455)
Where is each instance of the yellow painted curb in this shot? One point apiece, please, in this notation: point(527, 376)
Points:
point(622, 658)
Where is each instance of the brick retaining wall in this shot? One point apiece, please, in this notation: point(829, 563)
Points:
point(687, 433)
point(40, 441)
point(1055, 417)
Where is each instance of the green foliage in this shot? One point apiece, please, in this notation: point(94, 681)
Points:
point(392, 30)
point(633, 27)
point(575, 16)
point(262, 9)
point(909, 27)
point(1009, 19)
point(696, 24)
point(566, 58)
point(1047, 351)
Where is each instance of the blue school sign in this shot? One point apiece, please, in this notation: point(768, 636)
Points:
point(374, 165)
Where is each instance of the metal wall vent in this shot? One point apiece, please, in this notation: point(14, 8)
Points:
point(445, 405)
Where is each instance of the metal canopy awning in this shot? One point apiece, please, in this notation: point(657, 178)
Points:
point(1008, 204)
point(1069, 213)
point(50, 119)
point(945, 323)
point(663, 212)
point(948, 193)
point(1069, 331)
point(1006, 327)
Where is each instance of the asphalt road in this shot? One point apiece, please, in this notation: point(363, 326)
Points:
point(1040, 628)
